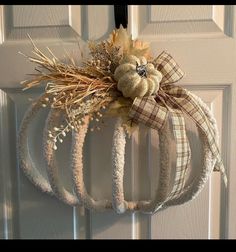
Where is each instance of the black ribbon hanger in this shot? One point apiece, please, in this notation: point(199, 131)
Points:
point(121, 15)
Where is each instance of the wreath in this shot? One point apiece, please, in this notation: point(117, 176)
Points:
point(121, 79)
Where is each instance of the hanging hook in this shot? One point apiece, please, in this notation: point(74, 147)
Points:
point(121, 15)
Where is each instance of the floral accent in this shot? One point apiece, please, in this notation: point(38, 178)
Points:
point(88, 89)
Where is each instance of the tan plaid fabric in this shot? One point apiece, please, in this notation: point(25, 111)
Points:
point(169, 68)
point(183, 152)
point(175, 100)
point(187, 103)
point(154, 114)
point(147, 111)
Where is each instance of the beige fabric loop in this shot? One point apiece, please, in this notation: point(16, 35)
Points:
point(78, 175)
point(52, 167)
point(118, 160)
point(25, 160)
point(191, 191)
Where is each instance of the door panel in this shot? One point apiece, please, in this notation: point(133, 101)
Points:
point(181, 21)
point(200, 38)
point(42, 21)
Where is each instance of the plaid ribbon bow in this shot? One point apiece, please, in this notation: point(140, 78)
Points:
point(173, 100)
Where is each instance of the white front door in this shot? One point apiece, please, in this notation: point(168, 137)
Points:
point(200, 38)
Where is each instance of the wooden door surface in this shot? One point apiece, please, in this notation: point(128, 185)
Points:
point(200, 38)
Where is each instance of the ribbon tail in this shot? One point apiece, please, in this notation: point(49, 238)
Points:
point(207, 128)
point(183, 152)
point(154, 113)
point(219, 165)
point(186, 102)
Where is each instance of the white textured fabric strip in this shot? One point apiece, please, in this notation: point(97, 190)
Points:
point(51, 165)
point(118, 202)
point(25, 160)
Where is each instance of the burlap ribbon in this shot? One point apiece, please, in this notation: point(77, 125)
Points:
point(174, 100)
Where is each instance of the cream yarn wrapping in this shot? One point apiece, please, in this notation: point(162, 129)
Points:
point(54, 186)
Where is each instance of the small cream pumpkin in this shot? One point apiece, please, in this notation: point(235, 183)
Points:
point(136, 77)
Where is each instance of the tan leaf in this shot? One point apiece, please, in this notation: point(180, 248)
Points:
point(140, 48)
point(120, 37)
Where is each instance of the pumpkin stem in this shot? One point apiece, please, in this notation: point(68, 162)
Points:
point(141, 70)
